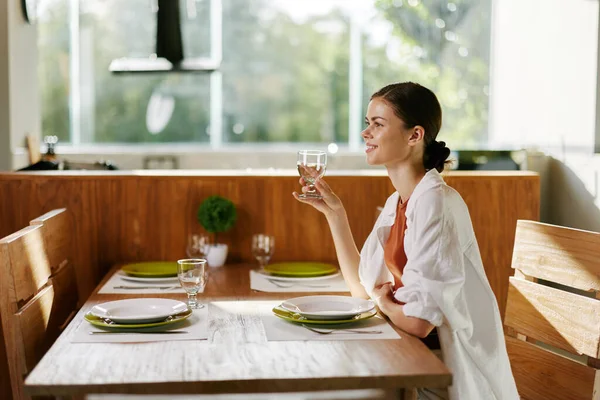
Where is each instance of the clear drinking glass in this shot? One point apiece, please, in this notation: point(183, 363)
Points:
point(192, 276)
point(311, 166)
point(197, 245)
point(263, 247)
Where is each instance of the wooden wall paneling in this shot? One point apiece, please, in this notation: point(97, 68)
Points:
point(251, 206)
point(361, 197)
point(301, 232)
point(91, 235)
point(129, 217)
point(495, 204)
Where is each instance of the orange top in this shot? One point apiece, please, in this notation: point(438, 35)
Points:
point(393, 251)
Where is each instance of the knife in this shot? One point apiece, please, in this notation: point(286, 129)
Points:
point(145, 287)
point(129, 332)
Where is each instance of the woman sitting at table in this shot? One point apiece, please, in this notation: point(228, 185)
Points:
point(421, 263)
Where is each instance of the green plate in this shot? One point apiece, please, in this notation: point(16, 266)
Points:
point(157, 269)
point(300, 269)
point(294, 317)
point(97, 321)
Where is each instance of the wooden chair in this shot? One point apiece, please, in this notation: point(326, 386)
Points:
point(553, 312)
point(38, 294)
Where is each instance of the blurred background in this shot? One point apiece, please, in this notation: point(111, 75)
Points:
point(517, 80)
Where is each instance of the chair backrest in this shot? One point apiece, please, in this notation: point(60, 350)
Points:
point(553, 312)
point(38, 295)
point(57, 236)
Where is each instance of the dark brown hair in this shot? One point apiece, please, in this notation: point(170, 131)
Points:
point(416, 105)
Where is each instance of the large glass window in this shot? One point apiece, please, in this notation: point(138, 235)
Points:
point(291, 71)
point(54, 76)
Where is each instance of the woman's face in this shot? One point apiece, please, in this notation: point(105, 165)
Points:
point(388, 141)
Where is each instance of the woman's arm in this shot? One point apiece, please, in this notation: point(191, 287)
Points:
point(384, 297)
point(347, 252)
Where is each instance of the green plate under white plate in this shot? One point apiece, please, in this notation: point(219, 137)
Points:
point(155, 269)
point(300, 269)
point(97, 321)
point(294, 317)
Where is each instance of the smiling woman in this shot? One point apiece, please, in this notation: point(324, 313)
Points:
point(421, 263)
point(404, 108)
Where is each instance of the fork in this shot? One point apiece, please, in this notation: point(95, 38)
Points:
point(290, 285)
point(146, 287)
point(328, 331)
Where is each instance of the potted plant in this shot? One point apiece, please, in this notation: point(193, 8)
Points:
point(217, 214)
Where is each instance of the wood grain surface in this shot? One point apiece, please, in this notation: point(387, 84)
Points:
point(33, 309)
point(542, 375)
point(147, 215)
point(236, 359)
point(548, 312)
point(555, 317)
point(563, 255)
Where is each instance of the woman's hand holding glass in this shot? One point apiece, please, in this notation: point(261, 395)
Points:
point(329, 203)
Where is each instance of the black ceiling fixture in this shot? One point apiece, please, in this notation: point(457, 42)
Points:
point(29, 8)
point(169, 48)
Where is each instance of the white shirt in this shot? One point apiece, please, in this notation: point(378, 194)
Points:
point(444, 283)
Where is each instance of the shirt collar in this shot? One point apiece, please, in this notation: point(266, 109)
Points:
point(431, 179)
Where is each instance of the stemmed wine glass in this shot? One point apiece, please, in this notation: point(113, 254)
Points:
point(311, 166)
point(197, 246)
point(263, 247)
point(192, 276)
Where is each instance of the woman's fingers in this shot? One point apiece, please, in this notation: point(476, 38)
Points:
point(323, 184)
point(305, 189)
point(316, 203)
point(325, 190)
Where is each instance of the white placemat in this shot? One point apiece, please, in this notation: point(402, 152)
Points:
point(112, 286)
point(265, 283)
point(195, 327)
point(278, 329)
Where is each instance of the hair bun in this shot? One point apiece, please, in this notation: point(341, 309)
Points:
point(436, 155)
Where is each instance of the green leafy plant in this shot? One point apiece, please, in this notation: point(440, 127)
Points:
point(217, 214)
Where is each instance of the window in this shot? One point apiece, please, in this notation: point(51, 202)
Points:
point(291, 71)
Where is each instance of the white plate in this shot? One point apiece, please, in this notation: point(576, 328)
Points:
point(328, 307)
point(126, 277)
point(297, 278)
point(138, 311)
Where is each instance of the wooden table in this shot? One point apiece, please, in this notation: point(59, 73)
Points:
point(237, 358)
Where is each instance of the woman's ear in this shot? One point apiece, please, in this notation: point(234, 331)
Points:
point(417, 134)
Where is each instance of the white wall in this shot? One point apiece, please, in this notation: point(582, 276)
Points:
point(543, 88)
point(5, 153)
point(544, 84)
point(19, 92)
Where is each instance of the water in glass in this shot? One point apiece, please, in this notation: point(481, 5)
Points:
point(198, 245)
point(192, 277)
point(263, 247)
point(311, 165)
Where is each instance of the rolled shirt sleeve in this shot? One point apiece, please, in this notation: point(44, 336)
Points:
point(434, 273)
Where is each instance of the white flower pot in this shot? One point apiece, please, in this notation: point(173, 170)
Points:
point(216, 255)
